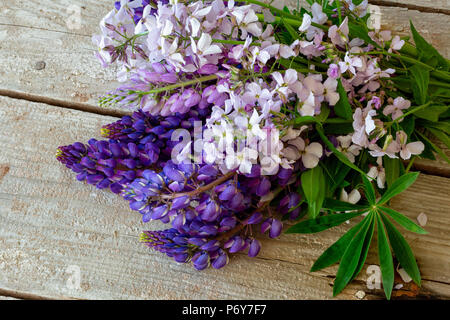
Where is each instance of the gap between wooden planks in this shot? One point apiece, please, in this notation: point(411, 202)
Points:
point(37, 31)
point(70, 72)
point(49, 221)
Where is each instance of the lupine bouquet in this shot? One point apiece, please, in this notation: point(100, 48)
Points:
point(248, 115)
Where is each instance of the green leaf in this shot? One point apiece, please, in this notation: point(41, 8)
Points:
point(385, 257)
point(351, 257)
point(402, 220)
point(365, 249)
point(340, 177)
point(292, 32)
point(427, 51)
point(433, 146)
point(313, 185)
point(324, 113)
point(357, 30)
point(408, 125)
point(335, 252)
point(304, 120)
point(392, 169)
point(369, 190)
point(442, 136)
point(322, 223)
point(402, 251)
point(343, 108)
point(340, 206)
point(399, 185)
point(431, 113)
point(420, 79)
point(335, 151)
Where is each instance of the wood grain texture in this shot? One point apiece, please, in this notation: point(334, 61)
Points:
point(442, 6)
point(49, 221)
point(39, 41)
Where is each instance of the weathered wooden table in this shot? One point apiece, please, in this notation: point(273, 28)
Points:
point(52, 226)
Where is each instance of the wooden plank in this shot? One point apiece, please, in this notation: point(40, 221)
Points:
point(39, 42)
point(436, 6)
point(36, 31)
point(49, 222)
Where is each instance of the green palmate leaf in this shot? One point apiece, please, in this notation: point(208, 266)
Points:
point(350, 259)
point(404, 221)
point(313, 185)
point(402, 251)
point(343, 108)
point(335, 151)
point(399, 185)
point(420, 78)
point(369, 190)
point(433, 146)
point(365, 248)
point(322, 223)
point(335, 252)
point(431, 113)
point(385, 257)
point(340, 206)
point(427, 52)
point(392, 170)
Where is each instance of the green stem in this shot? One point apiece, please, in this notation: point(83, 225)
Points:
point(411, 162)
point(435, 73)
point(181, 84)
point(412, 111)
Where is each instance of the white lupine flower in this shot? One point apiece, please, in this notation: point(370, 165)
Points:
point(318, 15)
point(350, 64)
point(310, 154)
point(377, 172)
point(353, 197)
point(248, 21)
point(330, 93)
point(306, 23)
point(308, 107)
point(204, 47)
point(347, 148)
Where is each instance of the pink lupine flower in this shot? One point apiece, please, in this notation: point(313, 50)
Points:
point(395, 109)
point(408, 149)
point(375, 101)
point(363, 124)
point(333, 71)
point(390, 149)
point(330, 93)
point(396, 44)
point(339, 36)
point(310, 154)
